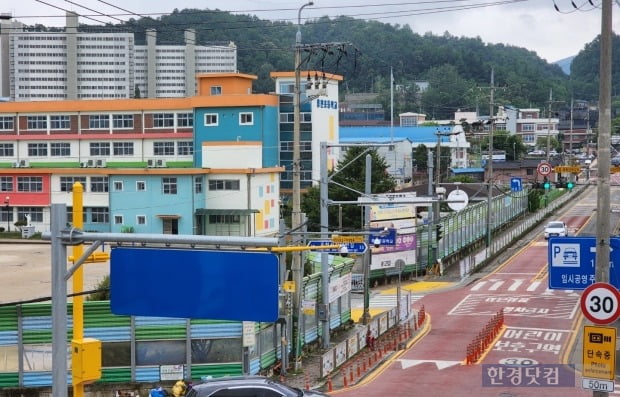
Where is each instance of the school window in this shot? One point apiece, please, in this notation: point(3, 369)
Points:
point(100, 148)
point(99, 215)
point(60, 122)
point(98, 121)
point(224, 184)
point(185, 120)
point(29, 184)
point(37, 122)
point(211, 119)
point(66, 182)
point(60, 149)
point(216, 90)
point(246, 118)
point(118, 186)
point(37, 149)
point(169, 185)
point(198, 184)
point(99, 184)
point(163, 148)
point(141, 219)
point(36, 213)
point(185, 148)
point(122, 148)
point(6, 183)
point(224, 219)
point(163, 120)
point(7, 150)
point(140, 186)
point(118, 219)
point(121, 121)
point(6, 122)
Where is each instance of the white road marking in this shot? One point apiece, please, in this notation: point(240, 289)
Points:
point(440, 364)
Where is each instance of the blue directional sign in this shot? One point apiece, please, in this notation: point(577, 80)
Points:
point(183, 283)
point(385, 237)
point(352, 248)
point(572, 262)
point(515, 184)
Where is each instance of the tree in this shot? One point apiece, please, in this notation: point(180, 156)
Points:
point(348, 183)
point(420, 157)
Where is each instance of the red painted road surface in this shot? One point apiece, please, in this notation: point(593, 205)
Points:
point(540, 326)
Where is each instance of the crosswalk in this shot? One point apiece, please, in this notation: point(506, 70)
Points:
point(389, 300)
point(514, 285)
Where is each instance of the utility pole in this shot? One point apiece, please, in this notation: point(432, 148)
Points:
point(604, 138)
point(551, 102)
point(296, 267)
point(490, 161)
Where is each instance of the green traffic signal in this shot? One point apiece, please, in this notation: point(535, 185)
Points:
point(547, 185)
point(569, 185)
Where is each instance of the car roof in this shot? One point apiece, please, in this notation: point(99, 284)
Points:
point(232, 380)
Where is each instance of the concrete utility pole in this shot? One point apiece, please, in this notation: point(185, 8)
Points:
point(296, 267)
point(490, 161)
point(604, 138)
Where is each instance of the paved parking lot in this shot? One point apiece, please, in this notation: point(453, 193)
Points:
point(26, 272)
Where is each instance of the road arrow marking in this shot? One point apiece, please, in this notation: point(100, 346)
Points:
point(440, 364)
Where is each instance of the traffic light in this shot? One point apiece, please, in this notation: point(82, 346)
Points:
point(438, 232)
point(570, 185)
point(547, 185)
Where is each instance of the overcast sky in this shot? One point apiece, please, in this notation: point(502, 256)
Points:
point(532, 24)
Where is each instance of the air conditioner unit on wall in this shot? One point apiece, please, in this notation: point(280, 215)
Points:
point(161, 163)
point(150, 163)
point(24, 163)
point(100, 163)
point(90, 163)
point(15, 164)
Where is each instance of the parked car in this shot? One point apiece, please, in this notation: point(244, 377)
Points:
point(536, 153)
point(247, 386)
point(556, 229)
point(615, 161)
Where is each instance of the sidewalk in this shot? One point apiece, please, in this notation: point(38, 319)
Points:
point(386, 348)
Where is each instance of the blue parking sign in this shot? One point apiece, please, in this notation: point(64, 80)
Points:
point(572, 262)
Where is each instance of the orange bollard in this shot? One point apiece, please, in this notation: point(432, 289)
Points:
point(307, 382)
point(364, 362)
point(351, 374)
point(359, 368)
point(345, 381)
point(330, 387)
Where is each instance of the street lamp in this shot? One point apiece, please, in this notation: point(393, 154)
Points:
point(8, 219)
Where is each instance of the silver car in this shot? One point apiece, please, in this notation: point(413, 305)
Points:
point(556, 229)
point(248, 386)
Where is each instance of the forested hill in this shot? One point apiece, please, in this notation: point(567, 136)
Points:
point(457, 67)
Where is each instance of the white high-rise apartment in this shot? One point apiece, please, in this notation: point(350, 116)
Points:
point(47, 66)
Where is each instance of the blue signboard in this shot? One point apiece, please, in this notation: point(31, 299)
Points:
point(515, 184)
point(354, 248)
point(572, 262)
point(385, 237)
point(183, 283)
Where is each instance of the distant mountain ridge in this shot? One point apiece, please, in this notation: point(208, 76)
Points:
point(565, 64)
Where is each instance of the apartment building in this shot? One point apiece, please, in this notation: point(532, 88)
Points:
point(44, 66)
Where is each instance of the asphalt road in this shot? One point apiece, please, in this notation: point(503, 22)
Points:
point(26, 272)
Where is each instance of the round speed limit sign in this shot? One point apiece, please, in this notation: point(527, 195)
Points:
point(600, 303)
point(544, 168)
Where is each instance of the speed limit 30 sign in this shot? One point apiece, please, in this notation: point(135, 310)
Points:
point(600, 303)
point(544, 168)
